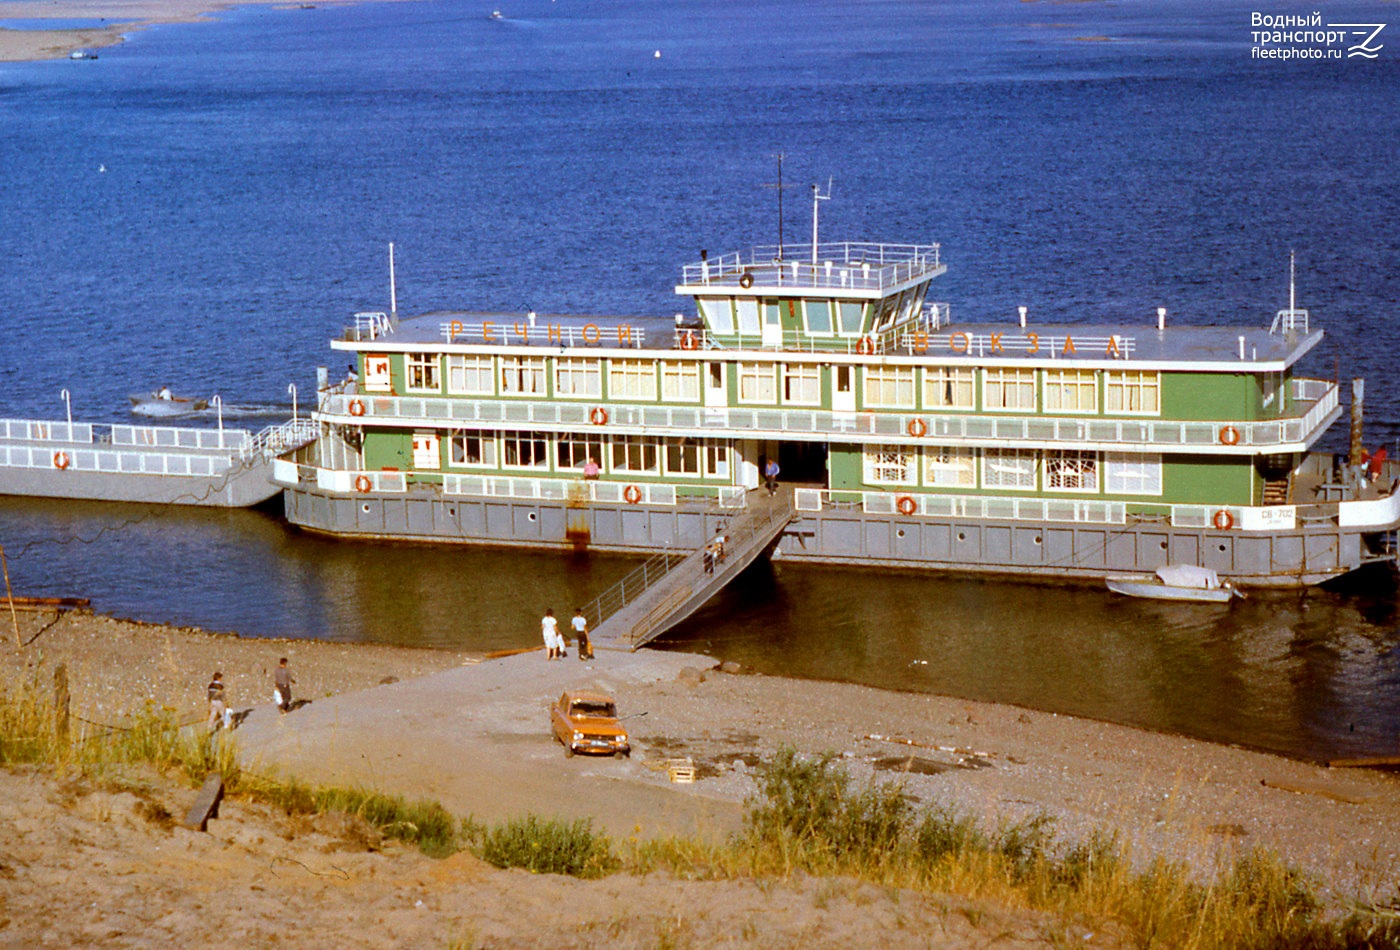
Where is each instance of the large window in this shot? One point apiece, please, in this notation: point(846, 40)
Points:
point(950, 468)
point(472, 449)
point(802, 384)
point(525, 449)
point(889, 465)
point(1071, 390)
point(1008, 468)
point(851, 316)
point(577, 378)
point(680, 381)
point(1008, 389)
point(522, 375)
point(718, 314)
point(1132, 392)
point(748, 316)
point(890, 387)
point(756, 383)
point(573, 451)
point(683, 456)
point(818, 314)
point(716, 459)
point(949, 387)
point(635, 454)
point(632, 379)
point(424, 373)
point(1072, 471)
point(469, 375)
point(1132, 474)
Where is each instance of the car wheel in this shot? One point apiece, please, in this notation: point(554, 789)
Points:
point(619, 754)
point(568, 752)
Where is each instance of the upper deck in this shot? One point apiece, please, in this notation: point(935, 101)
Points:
point(851, 270)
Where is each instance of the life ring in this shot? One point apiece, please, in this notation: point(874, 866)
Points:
point(1223, 520)
point(918, 428)
point(60, 460)
point(632, 494)
point(1229, 435)
point(599, 416)
point(362, 483)
point(746, 281)
point(865, 346)
point(906, 505)
point(357, 407)
point(688, 340)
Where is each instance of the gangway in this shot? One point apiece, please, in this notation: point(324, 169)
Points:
point(669, 588)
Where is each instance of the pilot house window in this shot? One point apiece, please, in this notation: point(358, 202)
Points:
point(424, 372)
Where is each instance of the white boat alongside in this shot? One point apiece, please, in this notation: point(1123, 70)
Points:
point(1176, 582)
point(162, 405)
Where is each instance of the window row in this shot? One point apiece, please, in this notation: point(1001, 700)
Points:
point(1020, 469)
point(1071, 391)
point(570, 454)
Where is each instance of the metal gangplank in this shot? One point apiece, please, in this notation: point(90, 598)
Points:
point(669, 588)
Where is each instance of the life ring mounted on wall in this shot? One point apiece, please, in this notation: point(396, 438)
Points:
point(632, 494)
point(1223, 520)
point(357, 407)
point(917, 427)
point(906, 505)
point(599, 416)
point(1229, 435)
point(688, 341)
point(746, 280)
point(362, 484)
point(60, 460)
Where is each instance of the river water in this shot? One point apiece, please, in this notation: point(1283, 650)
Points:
point(205, 206)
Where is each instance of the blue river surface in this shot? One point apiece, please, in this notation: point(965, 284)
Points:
point(206, 204)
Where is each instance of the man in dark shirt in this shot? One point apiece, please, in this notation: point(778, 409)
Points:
point(282, 678)
point(217, 708)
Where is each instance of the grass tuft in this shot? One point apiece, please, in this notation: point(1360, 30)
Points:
point(544, 846)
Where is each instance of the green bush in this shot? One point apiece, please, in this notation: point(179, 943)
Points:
point(544, 846)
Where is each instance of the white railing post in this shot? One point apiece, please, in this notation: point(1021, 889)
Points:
point(219, 406)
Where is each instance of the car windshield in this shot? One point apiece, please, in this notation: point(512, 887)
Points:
point(591, 710)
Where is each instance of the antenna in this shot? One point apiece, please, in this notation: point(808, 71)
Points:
point(817, 198)
point(393, 290)
point(779, 156)
point(1290, 284)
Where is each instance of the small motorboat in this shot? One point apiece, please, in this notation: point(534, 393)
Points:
point(164, 403)
point(1176, 582)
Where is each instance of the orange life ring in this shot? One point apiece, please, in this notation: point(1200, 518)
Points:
point(599, 416)
point(1229, 435)
point(906, 505)
point(1223, 520)
point(60, 460)
point(865, 346)
point(632, 494)
point(357, 407)
point(918, 428)
point(362, 483)
point(688, 340)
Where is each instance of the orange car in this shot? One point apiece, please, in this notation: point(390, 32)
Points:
point(586, 721)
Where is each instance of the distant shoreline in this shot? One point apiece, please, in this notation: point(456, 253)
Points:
point(128, 16)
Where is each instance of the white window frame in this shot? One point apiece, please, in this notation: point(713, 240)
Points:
point(825, 306)
point(747, 317)
point(523, 376)
point(578, 378)
point(1125, 474)
point(572, 450)
point(680, 451)
point(680, 381)
point(962, 380)
point(758, 383)
point(1008, 389)
point(890, 465)
point(471, 374)
point(1081, 386)
point(379, 376)
point(1130, 386)
point(806, 378)
point(1072, 471)
point(717, 460)
point(949, 467)
point(635, 455)
point(632, 380)
point(422, 373)
point(459, 443)
point(718, 314)
point(538, 444)
point(888, 387)
point(1010, 469)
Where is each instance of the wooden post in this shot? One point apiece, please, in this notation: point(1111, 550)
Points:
point(9, 595)
point(60, 702)
point(1358, 393)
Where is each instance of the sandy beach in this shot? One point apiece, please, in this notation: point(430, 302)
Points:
point(471, 732)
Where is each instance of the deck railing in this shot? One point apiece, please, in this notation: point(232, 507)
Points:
point(37, 430)
point(884, 427)
point(839, 266)
point(79, 458)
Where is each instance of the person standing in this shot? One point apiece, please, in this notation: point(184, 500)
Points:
point(770, 476)
point(218, 710)
point(549, 629)
point(283, 679)
point(580, 623)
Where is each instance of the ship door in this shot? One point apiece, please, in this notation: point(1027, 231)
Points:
point(716, 393)
point(425, 450)
point(772, 325)
point(843, 388)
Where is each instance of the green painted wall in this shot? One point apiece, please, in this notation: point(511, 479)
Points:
point(1190, 396)
point(389, 449)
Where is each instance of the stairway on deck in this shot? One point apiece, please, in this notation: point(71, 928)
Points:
point(686, 586)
